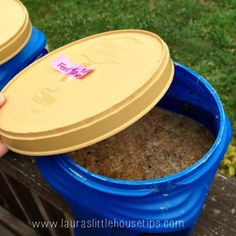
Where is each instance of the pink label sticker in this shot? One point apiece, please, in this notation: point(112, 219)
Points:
point(65, 66)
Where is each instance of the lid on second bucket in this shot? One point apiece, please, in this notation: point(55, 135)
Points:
point(15, 28)
point(50, 112)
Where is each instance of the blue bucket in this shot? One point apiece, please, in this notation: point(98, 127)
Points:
point(167, 206)
point(34, 49)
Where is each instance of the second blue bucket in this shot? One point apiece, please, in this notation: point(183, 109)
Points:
point(34, 49)
point(166, 206)
point(20, 43)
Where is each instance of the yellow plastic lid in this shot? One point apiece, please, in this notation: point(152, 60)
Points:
point(50, 113)
point(15, 28)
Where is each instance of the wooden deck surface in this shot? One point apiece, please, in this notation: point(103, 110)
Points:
point(25, 196)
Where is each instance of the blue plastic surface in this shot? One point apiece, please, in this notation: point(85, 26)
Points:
point(176, 198)
point(35, 48)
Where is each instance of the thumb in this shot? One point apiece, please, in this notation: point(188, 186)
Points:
point(2, 99)
point(3, 149)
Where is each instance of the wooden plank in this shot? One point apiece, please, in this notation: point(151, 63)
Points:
point(218, 216)
point(15, 225)
point(45, 215)
point(28, 202)
point(25, 171)
point(10, 201)
point(5, 232)
point(57, 216)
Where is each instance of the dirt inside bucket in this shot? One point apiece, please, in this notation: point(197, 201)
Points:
point(160, 144)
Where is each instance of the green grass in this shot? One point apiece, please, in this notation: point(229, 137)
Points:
point(200, 33)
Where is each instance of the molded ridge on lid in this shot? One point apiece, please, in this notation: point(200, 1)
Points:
point(49, 113)
point(15, 28)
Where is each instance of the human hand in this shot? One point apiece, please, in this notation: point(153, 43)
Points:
point(3, 148)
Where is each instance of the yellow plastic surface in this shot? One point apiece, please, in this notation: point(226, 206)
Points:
point(49, 113)
point(15, 28)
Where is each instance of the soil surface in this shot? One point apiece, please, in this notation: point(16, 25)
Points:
point(160, 144)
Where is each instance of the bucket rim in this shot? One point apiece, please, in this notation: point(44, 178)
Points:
point(80, 173)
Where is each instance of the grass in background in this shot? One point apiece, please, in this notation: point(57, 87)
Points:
point(201, 34)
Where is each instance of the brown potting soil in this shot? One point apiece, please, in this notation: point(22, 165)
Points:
point(160, 144)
